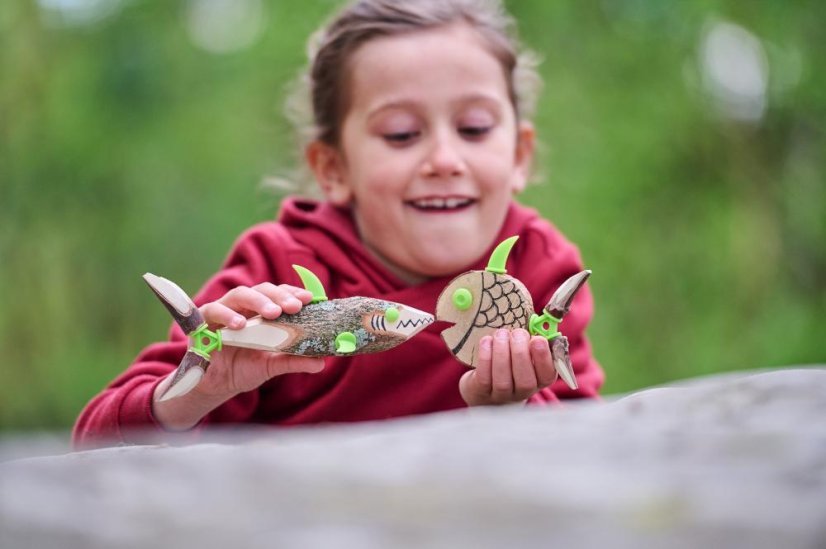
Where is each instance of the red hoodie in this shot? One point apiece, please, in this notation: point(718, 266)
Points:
point(417, 377)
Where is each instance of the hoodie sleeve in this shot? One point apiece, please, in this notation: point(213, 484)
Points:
point(545, 260)
point(122, 412)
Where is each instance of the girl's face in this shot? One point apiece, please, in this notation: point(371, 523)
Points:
point(430, 151)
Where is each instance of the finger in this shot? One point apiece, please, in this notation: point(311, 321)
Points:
point(482, 373)
point(281, 296)
point(543, 361)
point(219, 314)
point(524, 378)
point(304, 296)
point(243, 298)
point(502, 378)
point(279, 364)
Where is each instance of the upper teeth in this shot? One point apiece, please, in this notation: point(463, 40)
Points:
point(441, 202)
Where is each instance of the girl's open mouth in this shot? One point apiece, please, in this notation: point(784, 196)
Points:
point(438, 204)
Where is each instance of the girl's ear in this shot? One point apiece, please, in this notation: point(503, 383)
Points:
point(525, 146)
point(327, 165)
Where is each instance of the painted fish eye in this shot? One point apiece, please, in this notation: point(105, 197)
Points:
point(462, 299)
point(391, 314)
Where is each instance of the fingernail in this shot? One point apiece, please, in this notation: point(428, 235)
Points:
point(270, 309)
point(502, 334)
point(519, 336)
point(538, 344)
point(292, 301)
point(485, 347)
point(237, 321)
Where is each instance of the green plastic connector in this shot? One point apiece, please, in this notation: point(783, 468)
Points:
point(204, 341)
point(544, 325)
point(499, 257)
point(462, 299)
point(311, 283)
point(391, 314)
point(345, 342)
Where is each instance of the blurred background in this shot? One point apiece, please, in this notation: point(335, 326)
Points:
point(683, 150)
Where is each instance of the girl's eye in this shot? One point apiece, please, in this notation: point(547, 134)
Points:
point(474, 131)
point(400, 138)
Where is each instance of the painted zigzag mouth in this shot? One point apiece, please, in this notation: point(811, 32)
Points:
point(414, 323)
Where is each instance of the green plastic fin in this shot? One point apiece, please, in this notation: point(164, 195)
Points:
point(311, 283)
point(499, 257)
point(345, 343)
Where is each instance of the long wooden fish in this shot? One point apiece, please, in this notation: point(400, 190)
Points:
point(480, 302)
point(337, 327)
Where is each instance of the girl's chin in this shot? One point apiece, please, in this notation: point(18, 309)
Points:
point(432, 252)
point(426, 265)
point(443, 261)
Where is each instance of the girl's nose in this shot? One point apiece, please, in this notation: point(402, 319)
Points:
point(443, 159)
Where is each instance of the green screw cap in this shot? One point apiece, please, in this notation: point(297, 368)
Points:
point(345, 343)
point(462, 299)
point(391, 314)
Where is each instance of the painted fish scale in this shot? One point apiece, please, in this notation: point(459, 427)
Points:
point(506, 302)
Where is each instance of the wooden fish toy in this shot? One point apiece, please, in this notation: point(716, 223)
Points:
point(480, 302)
point(336, 327)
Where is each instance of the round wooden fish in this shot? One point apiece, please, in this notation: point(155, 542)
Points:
point(479, 303)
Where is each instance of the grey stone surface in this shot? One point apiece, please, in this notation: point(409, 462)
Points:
point(730, 461)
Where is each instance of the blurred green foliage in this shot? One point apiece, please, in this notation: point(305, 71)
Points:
point(125, 147)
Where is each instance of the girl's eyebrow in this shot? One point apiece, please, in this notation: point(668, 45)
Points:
point(393, 104)
point(410, 104)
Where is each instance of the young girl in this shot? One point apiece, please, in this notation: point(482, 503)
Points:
point(420, 143)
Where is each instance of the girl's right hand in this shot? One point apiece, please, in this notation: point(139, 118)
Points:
point(235, 370)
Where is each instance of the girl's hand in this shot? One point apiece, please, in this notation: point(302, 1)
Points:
point(234, 370)
point(511, 367)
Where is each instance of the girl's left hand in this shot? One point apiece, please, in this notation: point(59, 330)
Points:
point(511, 367)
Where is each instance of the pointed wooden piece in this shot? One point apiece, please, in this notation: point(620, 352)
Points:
point(177, 302)
point(560, 303)
point(189, 373)
point(562, 361)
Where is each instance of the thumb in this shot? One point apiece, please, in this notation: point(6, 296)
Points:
point(471, 390)
point(279, 364)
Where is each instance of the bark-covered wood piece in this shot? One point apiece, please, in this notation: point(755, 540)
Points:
point(377, 325)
